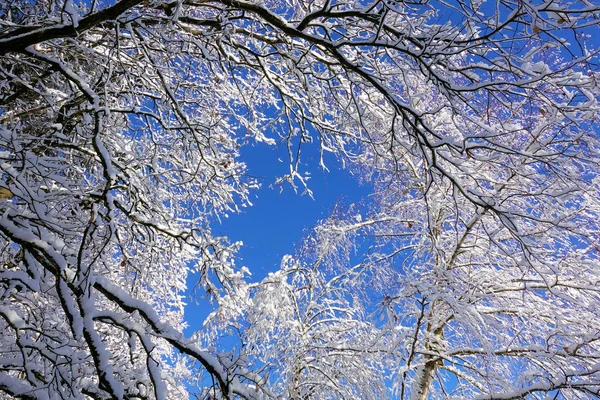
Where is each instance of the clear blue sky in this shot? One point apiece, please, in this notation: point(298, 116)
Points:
point(278, 220)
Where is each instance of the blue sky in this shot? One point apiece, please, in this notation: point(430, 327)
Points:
point(279, 219)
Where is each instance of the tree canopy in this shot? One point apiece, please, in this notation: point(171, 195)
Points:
point(471, 271)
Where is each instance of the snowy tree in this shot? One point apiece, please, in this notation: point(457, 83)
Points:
point(309, 330)
point(120, 129)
